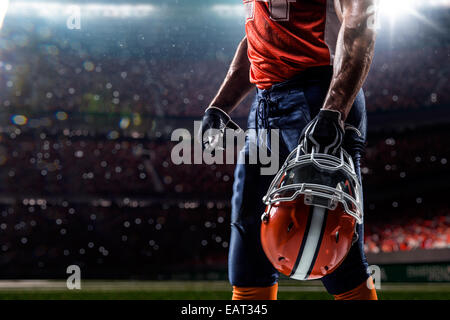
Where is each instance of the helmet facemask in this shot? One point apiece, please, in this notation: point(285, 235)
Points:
point(324, 180)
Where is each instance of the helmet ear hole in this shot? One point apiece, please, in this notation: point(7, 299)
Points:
point(337, 236)
point(281, 259)
point(289, 228)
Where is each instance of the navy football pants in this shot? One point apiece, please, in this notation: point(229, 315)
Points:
point(287, 106)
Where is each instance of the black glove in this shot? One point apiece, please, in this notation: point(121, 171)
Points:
point(217, 120)
point(324, 133)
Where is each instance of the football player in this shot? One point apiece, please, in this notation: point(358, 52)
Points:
point(308, 60)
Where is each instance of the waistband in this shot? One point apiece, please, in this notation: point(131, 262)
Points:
point(320, 73)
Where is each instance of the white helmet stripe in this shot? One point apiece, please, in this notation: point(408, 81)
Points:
point(312, 242)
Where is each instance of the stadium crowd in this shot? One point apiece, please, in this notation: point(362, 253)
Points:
point(49, 164)
point(145, 87)
point(118, 203)
point(54, 73)
point(409, 234)
point(95, 166)
point(78, 186)
point(119, 238)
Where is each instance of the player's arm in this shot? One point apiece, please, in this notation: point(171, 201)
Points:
point(354, 53)
point(233, 90)
point(236, 85)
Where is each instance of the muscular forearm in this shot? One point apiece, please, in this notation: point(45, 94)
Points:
point(354, 54)
point(236, 85)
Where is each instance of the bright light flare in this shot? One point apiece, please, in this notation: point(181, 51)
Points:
point(389, 8)
point(229, 10)
point(55, 9)
point(3, 8)
point(19, 119)
point(395, 8)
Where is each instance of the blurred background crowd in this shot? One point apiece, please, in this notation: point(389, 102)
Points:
point(85, 152)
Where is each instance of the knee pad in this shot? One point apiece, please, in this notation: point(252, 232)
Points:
point(255, 293)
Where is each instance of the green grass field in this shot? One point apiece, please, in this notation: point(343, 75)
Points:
point(204, 290)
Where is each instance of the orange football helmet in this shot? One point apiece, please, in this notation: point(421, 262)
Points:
point(312, 208)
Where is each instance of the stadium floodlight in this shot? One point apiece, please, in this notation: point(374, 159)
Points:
point(229, 10)
point(47, 9)
point(393, 8)
point(397, 8)
point(118, 11)
point(438, 3)
point(389, 8)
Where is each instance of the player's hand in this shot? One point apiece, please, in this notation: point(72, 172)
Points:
point(324, 134)
point(213, 130)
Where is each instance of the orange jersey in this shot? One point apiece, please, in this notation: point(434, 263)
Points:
point(286, 37)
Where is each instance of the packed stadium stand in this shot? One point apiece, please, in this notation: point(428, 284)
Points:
point(85, 152)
